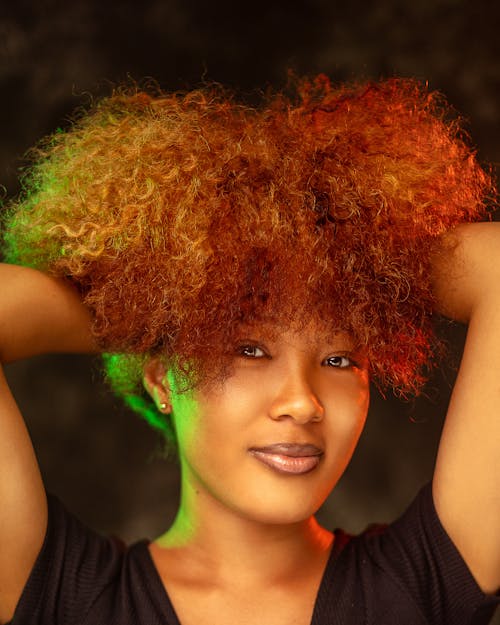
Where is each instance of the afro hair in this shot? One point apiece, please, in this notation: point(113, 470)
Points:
point(181, 216)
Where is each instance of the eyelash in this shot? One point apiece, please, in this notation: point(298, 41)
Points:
point(350, 363)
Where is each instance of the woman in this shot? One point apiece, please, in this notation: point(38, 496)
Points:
point(247, 270)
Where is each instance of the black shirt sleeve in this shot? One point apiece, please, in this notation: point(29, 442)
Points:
point(418, 556)
point(408, 573)
point(74, 567)
point(405, 573)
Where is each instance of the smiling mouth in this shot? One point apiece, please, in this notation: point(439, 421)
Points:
point(289, 458)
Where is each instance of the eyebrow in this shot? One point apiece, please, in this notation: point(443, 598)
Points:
point(320, 339)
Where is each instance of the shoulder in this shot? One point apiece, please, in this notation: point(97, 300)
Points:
point(409, 567)
point(80, 573)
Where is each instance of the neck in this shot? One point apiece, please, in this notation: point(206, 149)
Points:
point(207, 536)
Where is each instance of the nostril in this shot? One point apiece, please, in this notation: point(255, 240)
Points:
point(301, 408)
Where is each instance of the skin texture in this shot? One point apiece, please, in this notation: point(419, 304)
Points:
point(40, 315)
point(304, 387)
point(466, 483)
point(298, 388)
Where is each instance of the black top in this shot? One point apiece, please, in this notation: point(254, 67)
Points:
point(406, 573)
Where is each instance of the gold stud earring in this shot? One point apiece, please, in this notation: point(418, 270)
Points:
point(162, 406)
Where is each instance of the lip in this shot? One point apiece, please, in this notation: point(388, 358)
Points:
point(289, 458)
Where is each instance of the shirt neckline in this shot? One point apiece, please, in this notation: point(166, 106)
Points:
point(167, 609)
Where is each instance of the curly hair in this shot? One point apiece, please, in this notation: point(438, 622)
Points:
point(181, 216)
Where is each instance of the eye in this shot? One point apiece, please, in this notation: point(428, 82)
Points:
point(340, 362)
point(250, 351)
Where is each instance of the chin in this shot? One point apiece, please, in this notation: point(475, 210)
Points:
point(281, 510)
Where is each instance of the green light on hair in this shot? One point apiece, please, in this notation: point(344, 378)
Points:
point(123, 371)
point(147, 410)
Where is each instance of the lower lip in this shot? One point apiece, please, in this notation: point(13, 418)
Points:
point(287, 464)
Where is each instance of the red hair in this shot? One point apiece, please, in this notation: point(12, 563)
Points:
point(181, 216)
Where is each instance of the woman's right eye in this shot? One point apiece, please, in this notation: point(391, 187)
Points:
point(250, 351)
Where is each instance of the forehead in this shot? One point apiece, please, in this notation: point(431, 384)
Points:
point(308, 332)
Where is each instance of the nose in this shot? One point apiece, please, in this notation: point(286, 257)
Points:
point(297, 400)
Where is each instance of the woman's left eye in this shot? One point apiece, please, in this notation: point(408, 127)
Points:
point(340, 362)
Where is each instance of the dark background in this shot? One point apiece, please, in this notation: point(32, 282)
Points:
point(100, 459)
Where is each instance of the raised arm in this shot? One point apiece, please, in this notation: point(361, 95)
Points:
point(466, 482)
point(38, 314)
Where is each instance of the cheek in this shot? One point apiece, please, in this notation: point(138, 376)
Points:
point(345, 418)
point(208, 432)
point(187, 421)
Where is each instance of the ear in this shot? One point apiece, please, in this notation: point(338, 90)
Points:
point(156, 383)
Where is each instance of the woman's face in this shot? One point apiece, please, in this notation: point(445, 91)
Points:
point(272, 441)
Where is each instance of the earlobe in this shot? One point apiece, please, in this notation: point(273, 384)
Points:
point(156, 384)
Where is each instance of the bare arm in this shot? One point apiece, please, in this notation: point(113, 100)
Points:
point(38, 314)
point(466, 482)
